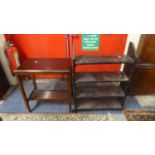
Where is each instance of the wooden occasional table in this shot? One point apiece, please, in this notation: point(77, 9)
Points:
point(31, 67)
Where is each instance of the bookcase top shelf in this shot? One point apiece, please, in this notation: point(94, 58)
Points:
point(110, 59)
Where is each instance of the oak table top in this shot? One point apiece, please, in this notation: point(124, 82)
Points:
point(44, 65)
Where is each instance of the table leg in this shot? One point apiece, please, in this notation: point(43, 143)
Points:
point(21, 88)
point(70, 92)
point(34, 82)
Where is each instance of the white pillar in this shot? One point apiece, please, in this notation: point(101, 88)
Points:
point(133, 38)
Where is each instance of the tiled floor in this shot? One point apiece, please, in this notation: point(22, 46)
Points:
point(14, 102)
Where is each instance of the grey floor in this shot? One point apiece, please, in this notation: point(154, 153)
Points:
point(14, 103)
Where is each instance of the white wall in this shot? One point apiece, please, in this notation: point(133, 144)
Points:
point(134, 38)
point(4, 61)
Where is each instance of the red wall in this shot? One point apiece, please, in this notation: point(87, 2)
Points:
point(53, 45)
point(39, 45)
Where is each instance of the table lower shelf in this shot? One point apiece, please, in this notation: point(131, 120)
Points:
point(98, 104)
point(49, 95)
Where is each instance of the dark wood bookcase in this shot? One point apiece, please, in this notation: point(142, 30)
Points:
point(143, 82)
point(102, 90)
point(4, 84)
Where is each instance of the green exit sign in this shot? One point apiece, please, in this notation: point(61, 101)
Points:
point(90, 42)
